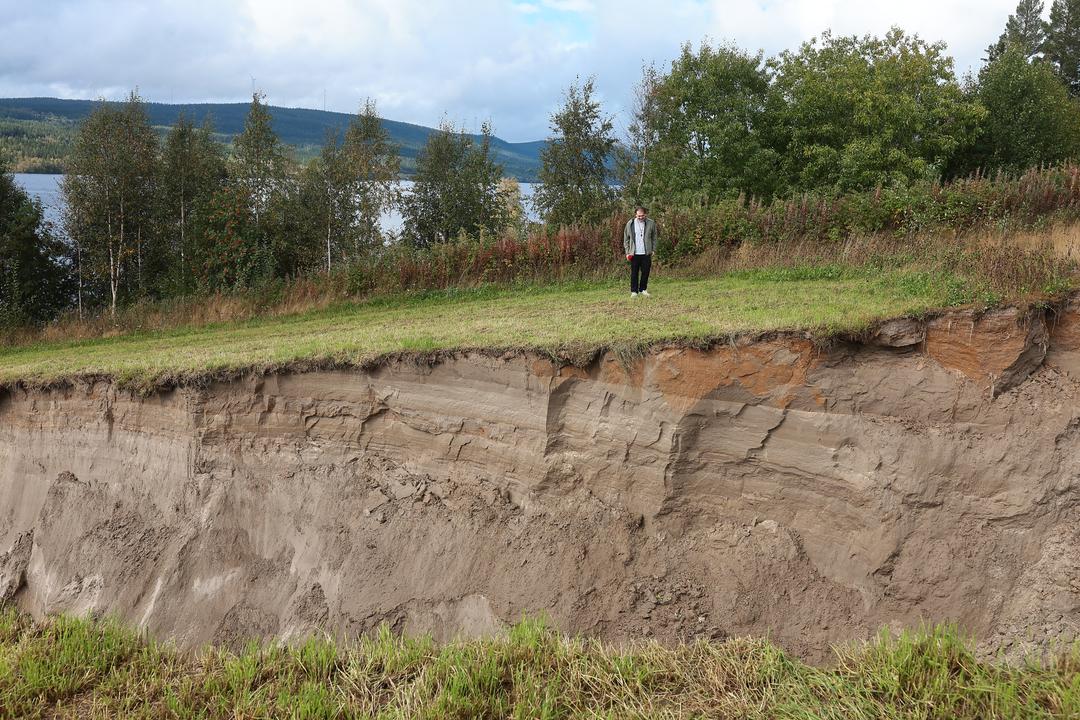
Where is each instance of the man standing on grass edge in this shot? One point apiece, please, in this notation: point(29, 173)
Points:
point(639, 240)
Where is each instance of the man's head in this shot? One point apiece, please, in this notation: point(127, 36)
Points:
point(640, 212)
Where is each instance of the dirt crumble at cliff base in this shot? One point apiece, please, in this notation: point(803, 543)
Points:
point(768, 487)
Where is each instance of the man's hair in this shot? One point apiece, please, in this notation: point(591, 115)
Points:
point(642, 208)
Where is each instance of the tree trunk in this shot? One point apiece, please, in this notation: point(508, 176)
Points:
point(641, 179)
point(138, 253)
point(78, 261)
point(112, 280)
point(183, 275)
point(110, 231)
point(114, 260)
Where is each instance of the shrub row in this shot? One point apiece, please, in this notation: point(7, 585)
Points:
point(1000, 204)
point(996, 205)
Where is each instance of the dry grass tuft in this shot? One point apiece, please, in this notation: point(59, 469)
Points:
point(72, 668)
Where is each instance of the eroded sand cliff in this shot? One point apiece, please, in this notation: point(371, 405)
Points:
point(765, 486)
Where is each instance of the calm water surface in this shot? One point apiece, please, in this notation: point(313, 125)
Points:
point(47, 189)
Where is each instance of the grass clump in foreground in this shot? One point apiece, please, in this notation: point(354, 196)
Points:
point(551, 318)
point(77, 668)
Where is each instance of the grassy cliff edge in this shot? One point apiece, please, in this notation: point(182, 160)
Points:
point(554, 319)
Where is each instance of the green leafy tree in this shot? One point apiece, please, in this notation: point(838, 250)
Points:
point(350, 185)
point(455, 188)
point(1030, 117)
point(326, 188)
point(192, 170)
point(573, 172)
point(261, 166)
point(228, 248)
point(110, 190)
point(34, 284)
point(633, 157)
point(1063, 42)
point(858, 112)
point(260, 162)
point(1025, 30)
point(288, 253)
point(707, 128)
point(375, 167)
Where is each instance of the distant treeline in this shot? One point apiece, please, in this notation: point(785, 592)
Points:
point(36, 146)
point(844, 135)
point(32, 124)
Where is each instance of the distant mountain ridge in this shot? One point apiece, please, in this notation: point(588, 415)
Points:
point(303, 128)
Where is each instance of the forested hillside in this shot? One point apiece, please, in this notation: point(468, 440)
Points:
point(37, 134)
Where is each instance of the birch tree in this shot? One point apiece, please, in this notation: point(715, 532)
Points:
point(110, 188)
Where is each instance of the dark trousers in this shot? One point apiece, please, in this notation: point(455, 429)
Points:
point(640, 265)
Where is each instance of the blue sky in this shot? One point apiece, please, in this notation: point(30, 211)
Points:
point(507, 61)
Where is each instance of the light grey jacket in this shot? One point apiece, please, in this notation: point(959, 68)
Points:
point(650, 236)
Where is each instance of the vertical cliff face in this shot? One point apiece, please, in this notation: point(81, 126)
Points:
point(764, 486)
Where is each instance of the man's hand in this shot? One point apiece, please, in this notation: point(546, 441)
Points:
point(630, 256)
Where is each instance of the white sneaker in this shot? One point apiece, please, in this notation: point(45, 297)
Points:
point(644, 292)
point(633, 295)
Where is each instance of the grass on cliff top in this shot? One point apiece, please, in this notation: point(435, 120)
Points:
point(549, 318)
point(75, 668)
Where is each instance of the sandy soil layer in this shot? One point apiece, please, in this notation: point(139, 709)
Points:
point(767, 486)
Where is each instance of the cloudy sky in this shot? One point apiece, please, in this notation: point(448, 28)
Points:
point(507, 61)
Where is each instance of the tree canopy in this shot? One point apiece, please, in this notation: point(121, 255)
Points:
point(1025, 30)
point(455, 190)
point(573, 173)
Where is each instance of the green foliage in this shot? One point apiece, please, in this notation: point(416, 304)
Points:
point(703, 129)
point(229, 254)
point(70, 667)
point(324, 189)
point(632, 157)
point(1030, 119)
point(573, 173)
point(1063, 42)
point(33, 280)
point(455, 190)
point(260, 162)
point(855, 113)
point(40, 145)
point(192, 169)
point(277, 215)
point(374, 166)
point(1025, 31)
point(109, 191)
point(148, 221)
point(997, 205)
point(64, 658)
point(348, 188)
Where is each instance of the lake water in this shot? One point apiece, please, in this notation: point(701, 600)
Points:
point(47, 189)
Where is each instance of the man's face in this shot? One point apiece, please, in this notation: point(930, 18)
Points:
point(640, 214)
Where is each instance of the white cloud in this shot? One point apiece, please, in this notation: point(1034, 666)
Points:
point(488, 59)
point(576, 6)
point(967, 26)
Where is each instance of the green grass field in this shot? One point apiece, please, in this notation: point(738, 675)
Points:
point(74, 668)
point(559, 319)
